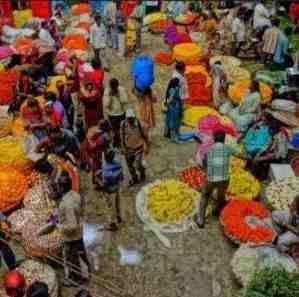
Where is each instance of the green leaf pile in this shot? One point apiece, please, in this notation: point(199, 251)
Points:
point(273, 282)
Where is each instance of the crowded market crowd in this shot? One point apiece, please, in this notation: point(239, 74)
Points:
point(232, 92)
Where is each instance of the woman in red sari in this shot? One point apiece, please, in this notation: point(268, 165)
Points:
point(93, 105)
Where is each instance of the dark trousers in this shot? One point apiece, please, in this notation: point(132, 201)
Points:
point(221, 188)
point(115, 122)
point(134, 163)
point(73, 251)
point(237, 48)
point(8, 255)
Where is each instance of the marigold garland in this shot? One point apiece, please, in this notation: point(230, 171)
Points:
point(13, 186)
point(233, 219)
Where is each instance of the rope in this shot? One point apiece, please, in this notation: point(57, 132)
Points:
point(109, 286)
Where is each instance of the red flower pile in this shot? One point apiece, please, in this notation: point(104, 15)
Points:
point(233, 219)
point(193, 177)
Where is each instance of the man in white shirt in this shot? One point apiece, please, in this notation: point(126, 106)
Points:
point(239, 34)
point(98, 36)
point(45, 35)
point(261, 16)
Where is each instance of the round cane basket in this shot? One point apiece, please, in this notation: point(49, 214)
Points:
point(36, 271)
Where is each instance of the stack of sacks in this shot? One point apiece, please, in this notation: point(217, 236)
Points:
point(21, 17)
point(199, 85)
point(8, 81)
point(10, 34)
point(172, 37)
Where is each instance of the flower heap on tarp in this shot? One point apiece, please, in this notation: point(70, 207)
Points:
point(244, 222)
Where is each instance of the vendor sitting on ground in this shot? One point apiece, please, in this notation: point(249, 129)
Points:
point(275, 151)
point(287, 226)
point(249, 111)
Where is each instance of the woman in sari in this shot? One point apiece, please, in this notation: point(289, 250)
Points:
point(93, 109)
point(249, 111)
point(174, 109)
point(97, 142)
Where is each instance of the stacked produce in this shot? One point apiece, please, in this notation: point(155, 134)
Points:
point(170, 201)
point(189, 53)
point(280, 194)
point(13, 186)
point(12, 153)
point(193, 177)
point(163, 58)
point(242, 185)
point(35, 271)
point(192, 115)
point(244, 222)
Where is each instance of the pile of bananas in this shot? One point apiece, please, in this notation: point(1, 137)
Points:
point(170, 201)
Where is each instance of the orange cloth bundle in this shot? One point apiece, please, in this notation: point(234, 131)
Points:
point(13, 187)
point(74, 42)
point(79, 9)
point(23, 45)
point(163, 58)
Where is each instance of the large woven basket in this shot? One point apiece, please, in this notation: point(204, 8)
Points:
point(285, 117)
